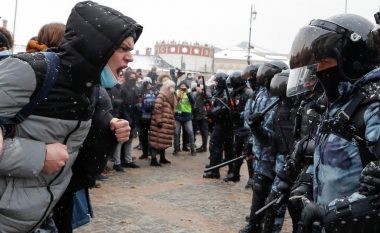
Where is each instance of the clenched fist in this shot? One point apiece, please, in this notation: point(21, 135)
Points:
point(121, 129)
point(56, 157)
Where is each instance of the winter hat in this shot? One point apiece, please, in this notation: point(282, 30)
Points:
point(162, 76)
point(168, 84)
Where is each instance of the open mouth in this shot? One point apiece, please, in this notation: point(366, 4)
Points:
point(120, 70)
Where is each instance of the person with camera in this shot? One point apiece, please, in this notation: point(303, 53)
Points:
point(183, 117)
point(199, 114)
point(222, 135)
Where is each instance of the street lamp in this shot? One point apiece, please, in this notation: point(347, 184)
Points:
point(14, 23)
point(252, 17)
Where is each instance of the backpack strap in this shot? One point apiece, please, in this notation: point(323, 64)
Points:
point(52, 62)
point(349, 123)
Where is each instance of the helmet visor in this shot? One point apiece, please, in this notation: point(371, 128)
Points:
point(301, 80)
point(312, 44)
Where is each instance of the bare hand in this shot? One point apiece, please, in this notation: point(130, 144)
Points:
point(121, 128)
point(56, 157)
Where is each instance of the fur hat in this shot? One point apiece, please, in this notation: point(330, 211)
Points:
point(168, 84)
point(162, 76)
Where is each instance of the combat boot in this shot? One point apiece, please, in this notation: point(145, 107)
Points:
point(232, 177)
point(250, 228)
point(249, 184)
point(202, 149)
point(254, 221)
point(211, 175)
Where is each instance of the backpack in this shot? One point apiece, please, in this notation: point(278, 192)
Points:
point(149, 100)
point(52, 61)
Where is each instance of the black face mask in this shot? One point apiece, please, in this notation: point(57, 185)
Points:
point(330, 79)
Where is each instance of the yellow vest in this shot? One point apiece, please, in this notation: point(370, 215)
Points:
point(183, 104)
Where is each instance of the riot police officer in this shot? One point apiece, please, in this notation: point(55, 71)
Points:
point(241, 93)
point(250, 73)
point(264, 161)
point(222, 135)
point(297, 172)
point(279, 134)
point(345, 50)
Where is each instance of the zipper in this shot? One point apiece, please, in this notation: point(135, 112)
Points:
point(59, 173)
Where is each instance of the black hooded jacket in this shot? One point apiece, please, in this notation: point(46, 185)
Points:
point(93, 33)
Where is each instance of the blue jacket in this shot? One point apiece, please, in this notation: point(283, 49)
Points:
point(337, 161)
point(264, 157)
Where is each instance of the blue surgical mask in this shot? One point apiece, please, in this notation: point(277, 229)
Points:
point(5, 53)
point(107, 79)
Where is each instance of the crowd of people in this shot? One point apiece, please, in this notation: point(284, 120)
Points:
point(308, 131)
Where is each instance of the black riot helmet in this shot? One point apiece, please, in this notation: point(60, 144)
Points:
point(278, 84)
point(220, 80)
point(346, 38)
point(249, 73)
point(236, 80)
point(268, 70)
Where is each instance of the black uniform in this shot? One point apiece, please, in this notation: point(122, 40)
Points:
point(222, 134)
point(240, 96)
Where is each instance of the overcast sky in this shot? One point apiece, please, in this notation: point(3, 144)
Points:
point(222, 23)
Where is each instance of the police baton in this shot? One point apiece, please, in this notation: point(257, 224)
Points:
point(224, 163)
point(273, 202)
point(269, 107)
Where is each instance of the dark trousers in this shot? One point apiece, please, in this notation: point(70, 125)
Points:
point(221, 140)
point(145, 137)
point(239, 144)
point(63, 212)
point(202, 126)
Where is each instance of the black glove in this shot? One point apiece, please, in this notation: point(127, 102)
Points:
point(283, 187)
point(311, 218)
point(255, 119)
point(159, 125)
point(247, 150)
point(235, 115)
point(370, 179)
